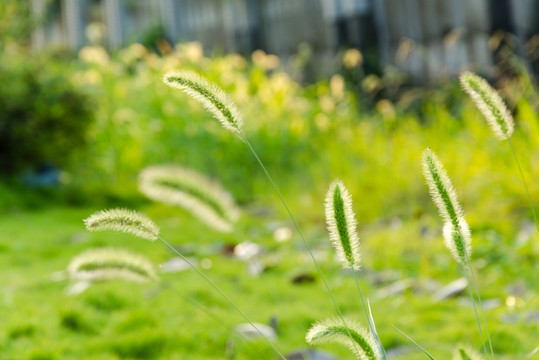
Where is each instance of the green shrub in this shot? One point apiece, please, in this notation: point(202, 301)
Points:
point(44, 118)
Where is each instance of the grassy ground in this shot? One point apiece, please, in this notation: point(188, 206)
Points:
point(179, 317)
point(369, 131)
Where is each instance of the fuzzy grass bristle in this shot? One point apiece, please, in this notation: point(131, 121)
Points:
point(352, 335)
point(489, 102)
point(456, 231)
point(211, 96)
point(341, 225)
point(111, 263)
point(459, 242)
point(123, 220)
point(203, 197)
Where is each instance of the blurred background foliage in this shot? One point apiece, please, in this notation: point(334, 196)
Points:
point(368, 130)
point(76, 129)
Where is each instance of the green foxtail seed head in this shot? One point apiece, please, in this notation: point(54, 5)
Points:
point(453, 240)
point(353, 335)
point(341, 224)
point(111, 263)
point(123, 220)
point(209, 95)
point(456, 231)
point(203, 197)
point(489, 102)
point(465, 353)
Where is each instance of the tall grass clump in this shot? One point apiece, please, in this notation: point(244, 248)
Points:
point(205, 198)
point(213, 98)
point(128, 221)
point(491, 105)
point(456, 232)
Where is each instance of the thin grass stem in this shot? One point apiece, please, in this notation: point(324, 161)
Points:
point(295, 224)
point(371, 325)
point(415, 343)
point(525, 184)
point(475, 311)
point(480, 304)
point(205, 310)
point(171, 248)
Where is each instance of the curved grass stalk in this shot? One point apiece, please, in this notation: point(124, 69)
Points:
point(296, 225)
point(456, 232)
point(415, 343)
point(524, 183)
point(372, 327)
point(128, 221)
point(225, 111)
point(212, 284)
point(342, 227)
point(480, 304)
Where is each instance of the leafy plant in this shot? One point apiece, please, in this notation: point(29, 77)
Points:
point(44, 118)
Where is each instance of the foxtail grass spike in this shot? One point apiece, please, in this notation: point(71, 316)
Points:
point(204, 198)
point(454, 238)
point(341, 224)
point(456, 231)
point(352, 335)
point(123, 220)
point(111, 263)
point(209, 95)
point(489, 102)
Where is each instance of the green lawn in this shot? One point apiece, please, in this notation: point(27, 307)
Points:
point(367, 130)
point(180, 317)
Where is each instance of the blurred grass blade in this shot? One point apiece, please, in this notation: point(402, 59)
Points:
point(416, 344)
point(375, 333)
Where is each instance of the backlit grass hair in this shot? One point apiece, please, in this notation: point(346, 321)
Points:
point(352, 335)
point(123, 220)
point(111, 263)
point(211, 96)
point(192, 191)
point(489, 102)
point(341, 224)
point(456, 231)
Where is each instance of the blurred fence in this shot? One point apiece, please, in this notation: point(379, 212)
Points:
point(428, 39)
